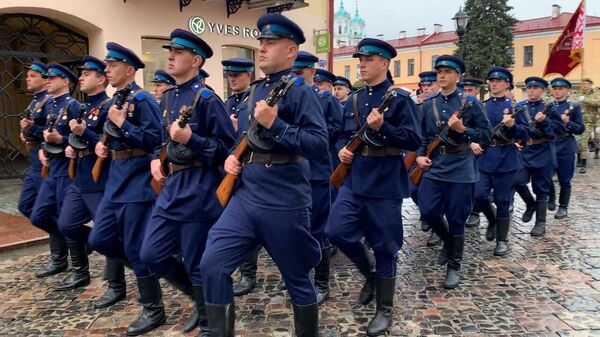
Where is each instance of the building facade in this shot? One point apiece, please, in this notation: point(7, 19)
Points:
point(532, 43)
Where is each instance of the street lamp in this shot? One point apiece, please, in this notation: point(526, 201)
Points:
point(460, 20)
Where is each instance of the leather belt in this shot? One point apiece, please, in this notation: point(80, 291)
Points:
point(382, 152)
point(194, 163)
point(497, 142)
point(273, 158)
point(563, 136)
point(83, 153)
point(32, 144)
point(126, 154)
point(539, 140)
point(443, 149)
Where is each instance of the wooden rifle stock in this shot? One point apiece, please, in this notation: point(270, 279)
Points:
point(46, 169)
point(355, 144)
point(72, 165)
point(225, 189)
point(409, 159)
point(416, 174)
point(97, 169)
point(164, 168)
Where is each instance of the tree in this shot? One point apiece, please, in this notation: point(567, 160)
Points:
point(488, 36)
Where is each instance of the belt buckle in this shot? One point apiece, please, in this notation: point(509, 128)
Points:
point(113, 154)
point(365, 151)
point(171, 169)
point(442, 149)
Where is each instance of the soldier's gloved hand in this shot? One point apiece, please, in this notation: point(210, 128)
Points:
point(69, 152)
point(424, 162)
point(265, 115)
point(346, 156)
point(77, 128)
point(156, 171)
point(53, 137)
point(180, 135)
point(101, 150)
point(232, 165)
point(234, 121)
point(375, 119)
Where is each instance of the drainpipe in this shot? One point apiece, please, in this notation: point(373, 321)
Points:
point(330, 55)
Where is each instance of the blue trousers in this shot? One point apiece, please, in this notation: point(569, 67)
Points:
point(321, 205)
point(379, 220)
point(442, 198)
point(48, 203)
point(119, 230)
point(285, 234)
point(502, 183)
point(566, 168)
point(80, 209)
point(31, 186)
point(540, 178)
point(165, 238)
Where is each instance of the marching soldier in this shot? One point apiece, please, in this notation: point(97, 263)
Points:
point(342, 89)
point(370, 201)
point(272, 203)
point(448, 184)
point(590, 106)
point(62, 108)
point(162, 82)
point(239, 74)
point(32, 127)
point(539, 156)
point(83, 195)
point(428, 83)
point(472, 86)
point(187, 207)
point(123, 213)
point(569, 115)
point(499, 160)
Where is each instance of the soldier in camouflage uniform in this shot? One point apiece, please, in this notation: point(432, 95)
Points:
point(590, 104)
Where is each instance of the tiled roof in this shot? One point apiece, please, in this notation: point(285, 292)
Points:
point(522, 27)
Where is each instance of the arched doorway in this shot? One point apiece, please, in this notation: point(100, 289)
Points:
point(25, 38)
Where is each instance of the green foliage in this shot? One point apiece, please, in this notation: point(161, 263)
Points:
point(488, 37)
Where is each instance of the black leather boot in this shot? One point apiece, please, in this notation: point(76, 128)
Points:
point(306, 320)
point(473, 220)
point(115, 274)
point(563, 202)
point(489, 211)
point(379, 325)
point(153, 313)
point(578, 162)
point(597, 153)
point(502, 228)
point(525, 194)
point(552, 197)
point(583, 167)
point(80, 273)
point(434, 239)
point(424, 224)
point(248, 268)
point(456, 245)
point(322, 276)
point(540, 219)
point(366, 265)
point(178, 278)
point(200, 312)
point(58, 257)
point(221, 319)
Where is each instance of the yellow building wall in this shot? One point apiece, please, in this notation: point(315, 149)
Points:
point(541, 43)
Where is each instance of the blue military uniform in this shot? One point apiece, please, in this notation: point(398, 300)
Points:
point(36, 111)
point(499, 163)
point(187, 206)
point(236, 65)
point(539, 159)
point(369, 203)
point(52, 192)
point(566, 146)
point(272, 203)
point(447, 187)
point(122, 216)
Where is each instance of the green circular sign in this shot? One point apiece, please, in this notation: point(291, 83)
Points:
point(197, 25)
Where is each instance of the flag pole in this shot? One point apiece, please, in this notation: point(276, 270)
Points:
point(583, 46)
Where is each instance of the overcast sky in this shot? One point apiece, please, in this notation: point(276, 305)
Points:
point(388, 17)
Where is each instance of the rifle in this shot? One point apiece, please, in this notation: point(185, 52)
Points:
point(51, 122)
point(110, 131)
point(242, 150)
point(356, 143)
point(499, 131)
point(164, 150)
point(77, 142)
point(533, 123)
point(416, 174)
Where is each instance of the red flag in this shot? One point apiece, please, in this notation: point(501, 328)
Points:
point(567, 51)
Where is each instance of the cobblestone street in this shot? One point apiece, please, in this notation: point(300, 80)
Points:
point(545, 287)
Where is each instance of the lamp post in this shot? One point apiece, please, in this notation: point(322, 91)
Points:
point(460, 20)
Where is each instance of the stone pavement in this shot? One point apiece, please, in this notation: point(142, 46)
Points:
point(546, 287)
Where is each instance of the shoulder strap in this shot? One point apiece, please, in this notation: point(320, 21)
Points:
point(436, 112)
point(250, 100)
point(355, 110)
